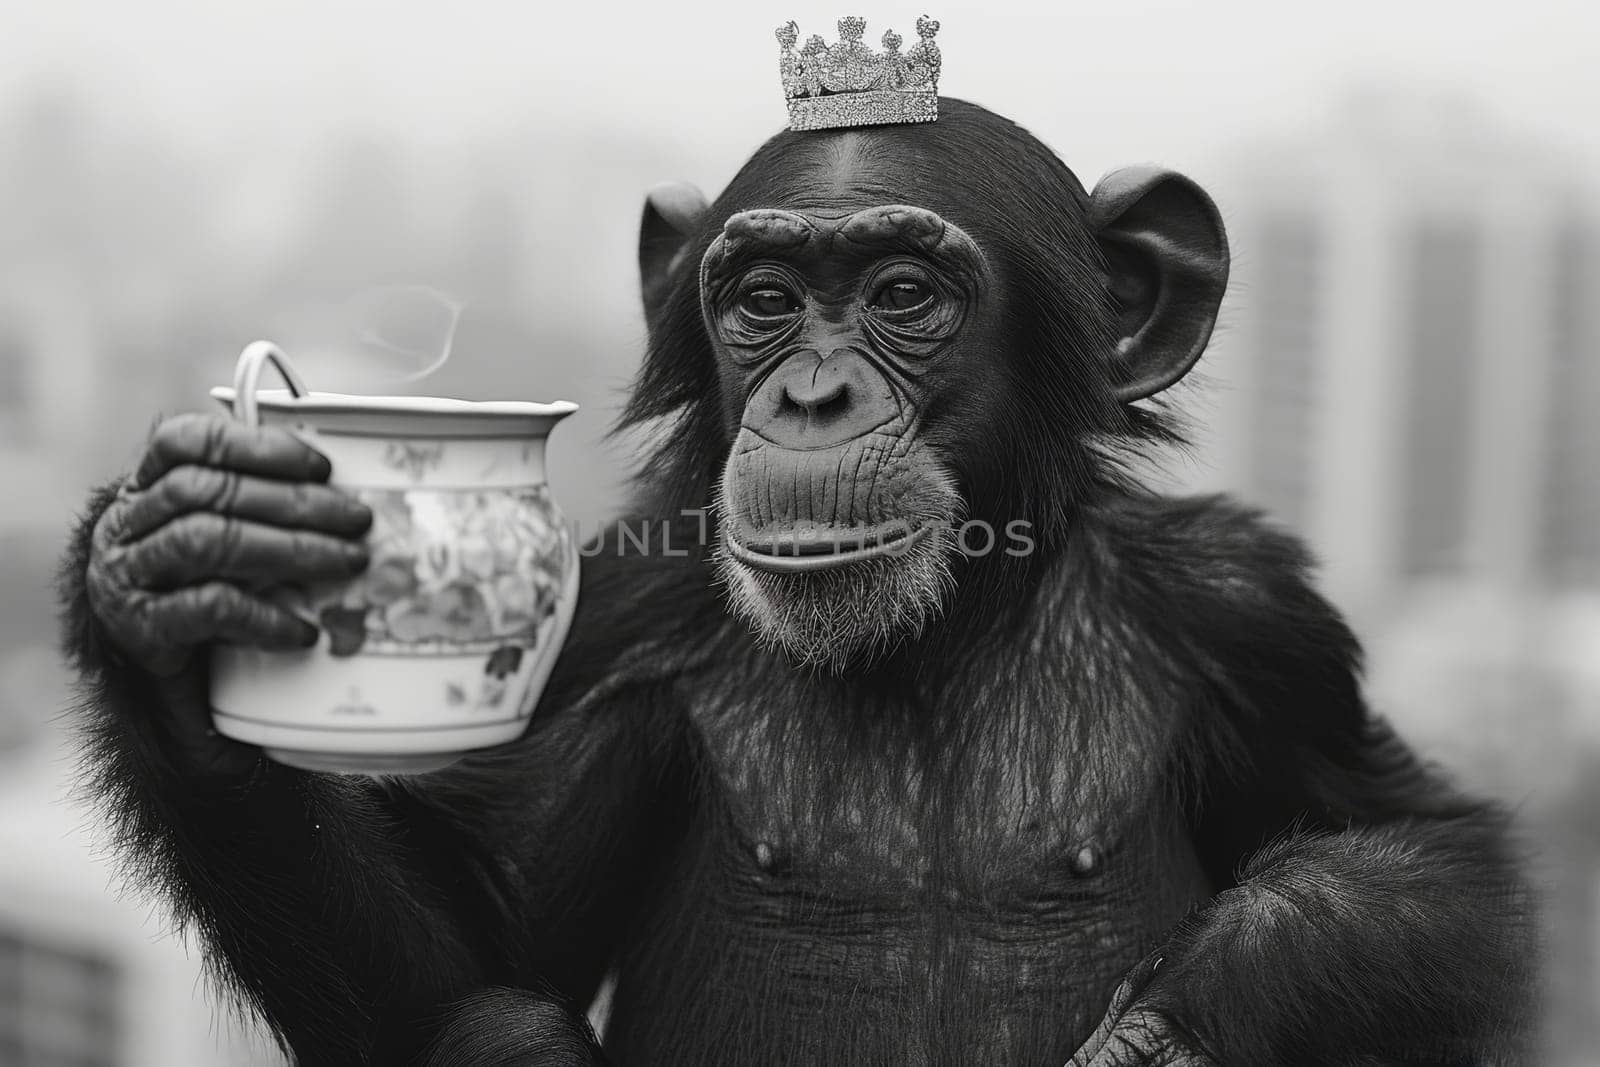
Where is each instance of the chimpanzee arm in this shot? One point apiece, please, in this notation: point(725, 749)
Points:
point(1375, 914)
point(1374, 923)
point(350, 911)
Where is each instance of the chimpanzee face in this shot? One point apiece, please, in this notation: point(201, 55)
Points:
point(833, 331)
point(877, 338)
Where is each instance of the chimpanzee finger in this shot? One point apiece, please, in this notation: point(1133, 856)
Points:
point(218, 441)
point(217, 611)
point(1133, 983)
point(189, 489)
point(203, 546)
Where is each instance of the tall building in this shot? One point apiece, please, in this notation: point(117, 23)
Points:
point(1410, 349)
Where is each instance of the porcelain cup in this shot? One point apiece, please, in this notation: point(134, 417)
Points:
point(444, 644)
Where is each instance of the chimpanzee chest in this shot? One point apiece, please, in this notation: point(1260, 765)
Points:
point(878, 895)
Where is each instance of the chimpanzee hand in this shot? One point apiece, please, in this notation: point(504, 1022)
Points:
point(1132, 1036)
point(216, 514)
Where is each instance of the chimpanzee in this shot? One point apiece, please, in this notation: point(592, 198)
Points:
point(943, 743)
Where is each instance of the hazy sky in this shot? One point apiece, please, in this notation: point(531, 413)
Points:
point(1126, 81)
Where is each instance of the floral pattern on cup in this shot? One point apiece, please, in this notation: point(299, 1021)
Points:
point(452, 571)
point(417, 459)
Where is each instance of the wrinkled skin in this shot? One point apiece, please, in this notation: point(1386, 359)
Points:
point(1130, 1036)
point(840, 329)
point(216, 513)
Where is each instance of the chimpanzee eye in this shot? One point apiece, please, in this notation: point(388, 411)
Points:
point(769, 303)
point(902, 295)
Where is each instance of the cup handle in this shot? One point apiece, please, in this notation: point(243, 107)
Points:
point(247, 379)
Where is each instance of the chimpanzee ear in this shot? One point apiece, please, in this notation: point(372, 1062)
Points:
point(672, 214)
point(1168, 255)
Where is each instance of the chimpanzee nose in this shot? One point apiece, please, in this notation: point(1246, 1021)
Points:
point(822, 392)
point(812, 402)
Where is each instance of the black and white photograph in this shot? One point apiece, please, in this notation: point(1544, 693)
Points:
point(726, 534)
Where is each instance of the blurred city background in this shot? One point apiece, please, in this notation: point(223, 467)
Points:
point(1408, 368)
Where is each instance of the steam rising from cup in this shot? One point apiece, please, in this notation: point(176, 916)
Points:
point(380, 340)
point(414, 324)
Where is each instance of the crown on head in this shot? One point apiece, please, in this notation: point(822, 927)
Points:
point(850, 84)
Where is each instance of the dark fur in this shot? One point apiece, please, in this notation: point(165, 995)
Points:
point(512, 1028)
point(347, 913)
point(878, 867)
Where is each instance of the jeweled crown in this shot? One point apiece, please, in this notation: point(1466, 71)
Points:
point(850, 84)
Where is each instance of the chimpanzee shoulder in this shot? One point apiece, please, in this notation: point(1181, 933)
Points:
point(1218, 561)
point(1214, 545)
point(1232, 596)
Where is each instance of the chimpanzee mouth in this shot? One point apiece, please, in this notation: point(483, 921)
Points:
point(799, 550)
